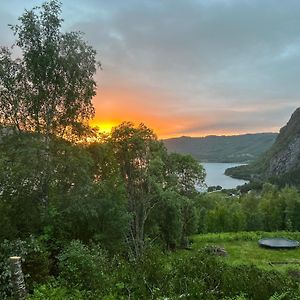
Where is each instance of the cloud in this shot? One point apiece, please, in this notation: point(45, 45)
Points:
point(191, 59)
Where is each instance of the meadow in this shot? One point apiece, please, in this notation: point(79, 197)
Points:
point(243, 249)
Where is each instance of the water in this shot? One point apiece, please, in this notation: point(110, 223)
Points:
point(215, 175)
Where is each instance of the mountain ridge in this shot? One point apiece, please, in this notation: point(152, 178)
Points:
point(241, 148)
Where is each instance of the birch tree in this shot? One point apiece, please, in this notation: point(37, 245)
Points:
point(49, 88)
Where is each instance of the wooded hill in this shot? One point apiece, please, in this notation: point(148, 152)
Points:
point(237, 148)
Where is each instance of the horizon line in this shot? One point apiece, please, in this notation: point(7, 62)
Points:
point(218, 135)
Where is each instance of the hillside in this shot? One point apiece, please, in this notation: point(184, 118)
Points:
point(237, 148)
point(281, 163)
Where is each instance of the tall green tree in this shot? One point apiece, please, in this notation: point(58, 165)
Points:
point(138, 152)
point(272, 208)
point(48, 90)
point(184, 173)
point(189, 219)
point(167, 218)
point(291, 199)
point(250, 206)
point(50, 87)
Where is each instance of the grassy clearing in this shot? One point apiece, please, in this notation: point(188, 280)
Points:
point(242, 248)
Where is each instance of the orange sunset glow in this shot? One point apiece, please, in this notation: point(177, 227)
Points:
point(191, 67)
point(188, 68)
point(115, 105)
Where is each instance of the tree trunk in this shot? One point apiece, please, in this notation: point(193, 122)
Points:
point(19, 288)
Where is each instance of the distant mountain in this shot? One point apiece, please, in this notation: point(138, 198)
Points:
point(237, 148)
point(281, 163)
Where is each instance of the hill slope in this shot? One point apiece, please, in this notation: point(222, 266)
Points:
point(237, 148)
point(281, 163)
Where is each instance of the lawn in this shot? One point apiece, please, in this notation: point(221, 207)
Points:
point(243, 248)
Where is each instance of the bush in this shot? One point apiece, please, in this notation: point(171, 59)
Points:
point(202, 276)
point(86, 271)
point(196, 276)
point(150, 278)
point(85, 268)
point(55, 291)
point(256, 283)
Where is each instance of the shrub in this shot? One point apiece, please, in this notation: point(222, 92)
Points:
point(55, 291)
point(196, 276)
point(254, 282)
point(85, 268)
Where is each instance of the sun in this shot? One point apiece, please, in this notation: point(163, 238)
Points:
point(104, 126)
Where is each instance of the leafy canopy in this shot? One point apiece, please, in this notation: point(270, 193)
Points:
point(50, 87)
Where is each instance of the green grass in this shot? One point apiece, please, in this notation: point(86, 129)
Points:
point(243, 248)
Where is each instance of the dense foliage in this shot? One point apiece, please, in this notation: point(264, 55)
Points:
point(161, 276)
point(271, 209)
point(50, 88)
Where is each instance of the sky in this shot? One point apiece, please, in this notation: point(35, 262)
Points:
point(187, 67)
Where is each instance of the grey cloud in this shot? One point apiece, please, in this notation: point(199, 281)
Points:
point(234, 120)
point(205, 55)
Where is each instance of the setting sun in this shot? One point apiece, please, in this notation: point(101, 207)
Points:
point(105, 126)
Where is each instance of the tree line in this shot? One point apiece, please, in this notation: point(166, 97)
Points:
point(269, 209)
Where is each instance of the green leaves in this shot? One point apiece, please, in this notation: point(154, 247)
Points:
point(49, 90)
point(184, 173)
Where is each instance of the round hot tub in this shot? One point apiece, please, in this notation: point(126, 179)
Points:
point(278, 243)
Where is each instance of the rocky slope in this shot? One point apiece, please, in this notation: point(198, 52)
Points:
point(281, 160)
point(286, 150)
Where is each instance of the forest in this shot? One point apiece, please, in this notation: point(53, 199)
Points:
point(111, 216)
